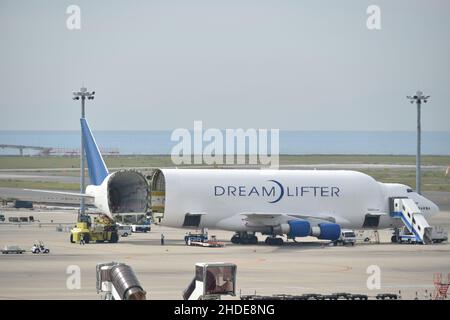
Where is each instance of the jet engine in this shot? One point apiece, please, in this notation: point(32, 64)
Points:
point(294, 228)
point(327, 231)
point(302, 228)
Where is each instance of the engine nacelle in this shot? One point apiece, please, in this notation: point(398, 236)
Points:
point(327, 231)
point(294, 228)
point(299, 228)
point(121, 192)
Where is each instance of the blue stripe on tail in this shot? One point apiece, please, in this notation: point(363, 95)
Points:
point(97, 168)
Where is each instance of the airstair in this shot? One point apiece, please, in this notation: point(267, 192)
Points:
point(406, 210)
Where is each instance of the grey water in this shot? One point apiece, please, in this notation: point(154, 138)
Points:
point(290, 142)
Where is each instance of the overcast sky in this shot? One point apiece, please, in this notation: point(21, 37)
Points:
point(301, 65)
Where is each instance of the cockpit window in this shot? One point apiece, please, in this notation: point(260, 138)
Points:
point(409, 190)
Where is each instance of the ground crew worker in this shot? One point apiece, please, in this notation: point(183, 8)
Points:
point(162, 239)
point(82, 239)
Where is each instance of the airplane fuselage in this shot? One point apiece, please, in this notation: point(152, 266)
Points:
point(224, 198)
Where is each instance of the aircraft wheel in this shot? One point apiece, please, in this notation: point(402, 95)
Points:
point(235, 239)
point(253, 240)
point(274, 241)
point(244, 240)
point(114, 238)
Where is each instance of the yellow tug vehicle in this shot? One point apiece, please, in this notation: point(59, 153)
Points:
point(104, 229)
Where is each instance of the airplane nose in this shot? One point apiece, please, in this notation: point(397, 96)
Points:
point(434, 209)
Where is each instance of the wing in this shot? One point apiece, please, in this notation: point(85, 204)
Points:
point(276, 218)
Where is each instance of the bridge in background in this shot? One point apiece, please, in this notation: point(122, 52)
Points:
point(47, 151)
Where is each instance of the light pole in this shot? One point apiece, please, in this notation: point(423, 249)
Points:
point(418, 97)
point(82, 94)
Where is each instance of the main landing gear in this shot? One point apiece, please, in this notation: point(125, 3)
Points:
point(244, 238)
point(274, 241)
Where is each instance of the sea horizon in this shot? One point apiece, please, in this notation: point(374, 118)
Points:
point(291, 142)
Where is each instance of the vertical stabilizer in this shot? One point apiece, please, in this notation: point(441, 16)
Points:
point(97, 168)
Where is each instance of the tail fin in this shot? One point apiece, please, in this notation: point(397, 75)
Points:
point(97, 168)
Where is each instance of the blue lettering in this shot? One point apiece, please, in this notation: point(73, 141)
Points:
point(335, 191)
point(288, 193)
point(315, 191)
point(263, 191)
point(303, 190)
point(253, 190)
point(219, 187)
point(271, 193)
point(231, 190)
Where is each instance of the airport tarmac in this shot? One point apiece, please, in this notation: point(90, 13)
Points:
point(164, 271)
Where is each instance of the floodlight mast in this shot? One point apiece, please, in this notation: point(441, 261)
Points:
point(82, 95)
point(418, 98)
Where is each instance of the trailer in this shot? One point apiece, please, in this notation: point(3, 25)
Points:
point(213, 243)
point(307, 296)
point(202, 240)
point(439, 234)
point(387, 296)
point(190, 238)
point(12, 249)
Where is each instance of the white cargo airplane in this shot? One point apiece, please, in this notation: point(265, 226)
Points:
point(296, 203)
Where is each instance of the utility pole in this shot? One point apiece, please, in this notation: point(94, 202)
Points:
point(82, 95)
point(418, 98)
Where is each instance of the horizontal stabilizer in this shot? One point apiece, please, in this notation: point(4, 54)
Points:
point(73, 194)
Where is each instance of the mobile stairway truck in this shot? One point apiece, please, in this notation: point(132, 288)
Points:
point(416, 228)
